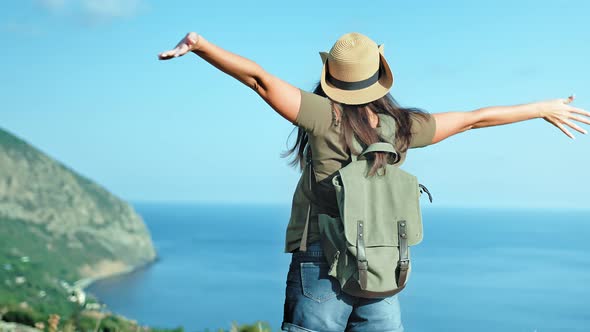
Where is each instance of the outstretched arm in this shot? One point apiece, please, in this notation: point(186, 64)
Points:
point(283, 97)
point(557, 112)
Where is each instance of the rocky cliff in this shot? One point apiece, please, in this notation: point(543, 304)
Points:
point(81, 226)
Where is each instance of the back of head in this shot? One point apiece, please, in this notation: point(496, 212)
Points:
point(357, 79)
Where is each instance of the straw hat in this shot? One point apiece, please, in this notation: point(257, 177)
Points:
point(355, 70)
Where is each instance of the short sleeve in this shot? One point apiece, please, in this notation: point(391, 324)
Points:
point(315, 113)
point(423, 129)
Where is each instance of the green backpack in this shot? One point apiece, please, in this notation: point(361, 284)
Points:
point(367, 247)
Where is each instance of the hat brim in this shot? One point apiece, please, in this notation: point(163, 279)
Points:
point(361, 96)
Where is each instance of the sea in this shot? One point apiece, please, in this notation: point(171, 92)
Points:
point(477, 269)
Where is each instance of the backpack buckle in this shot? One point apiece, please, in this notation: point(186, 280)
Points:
point(404, 264)
point(363, 265)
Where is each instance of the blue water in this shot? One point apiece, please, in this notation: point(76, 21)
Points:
point(476, 270)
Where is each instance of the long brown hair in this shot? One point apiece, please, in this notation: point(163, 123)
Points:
point(354, 120)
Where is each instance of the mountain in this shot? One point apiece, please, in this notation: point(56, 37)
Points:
point(58, 226)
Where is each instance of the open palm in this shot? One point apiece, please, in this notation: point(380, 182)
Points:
point(185, 45)
point(559, 113)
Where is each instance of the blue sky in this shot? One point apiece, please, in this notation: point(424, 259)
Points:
point(81, 81)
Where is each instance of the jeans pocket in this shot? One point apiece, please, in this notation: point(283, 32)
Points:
point(316, 283)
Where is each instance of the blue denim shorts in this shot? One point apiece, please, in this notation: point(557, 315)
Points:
point(314, 301)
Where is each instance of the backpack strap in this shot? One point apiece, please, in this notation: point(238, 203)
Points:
point(303, 243)
point(404, 260)
point(361, 262)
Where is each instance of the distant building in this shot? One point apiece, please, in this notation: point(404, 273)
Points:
point(77, 295)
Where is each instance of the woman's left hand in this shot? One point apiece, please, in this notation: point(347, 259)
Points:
point(558, 112)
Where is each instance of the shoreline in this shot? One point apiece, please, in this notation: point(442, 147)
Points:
point(84, 283)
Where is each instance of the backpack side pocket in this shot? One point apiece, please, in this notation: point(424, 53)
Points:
point(335, 248)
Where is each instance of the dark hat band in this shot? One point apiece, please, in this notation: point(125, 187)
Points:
point(343, 85)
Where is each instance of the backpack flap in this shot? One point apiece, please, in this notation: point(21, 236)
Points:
point(378, 201)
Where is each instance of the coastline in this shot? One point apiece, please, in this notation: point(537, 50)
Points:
point(84, 283)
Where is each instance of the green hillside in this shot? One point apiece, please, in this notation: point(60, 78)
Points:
point(57, 227)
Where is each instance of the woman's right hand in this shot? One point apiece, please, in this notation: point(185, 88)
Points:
point(187, 44)
point(558, 112)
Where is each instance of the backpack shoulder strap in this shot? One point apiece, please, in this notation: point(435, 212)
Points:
point(304, 236)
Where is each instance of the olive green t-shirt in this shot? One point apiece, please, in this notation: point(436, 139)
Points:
point(330, 153)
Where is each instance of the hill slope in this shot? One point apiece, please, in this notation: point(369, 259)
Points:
point(66, 226)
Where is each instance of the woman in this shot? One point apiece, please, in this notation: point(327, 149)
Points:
point(352, 101)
